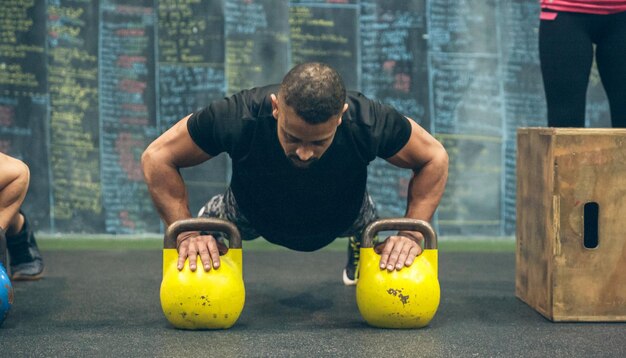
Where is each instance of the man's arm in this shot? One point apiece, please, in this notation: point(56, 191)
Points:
point(161, 162)
point(429, 161)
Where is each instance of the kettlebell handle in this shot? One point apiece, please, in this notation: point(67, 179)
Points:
point(400, 224)
point(202, 224)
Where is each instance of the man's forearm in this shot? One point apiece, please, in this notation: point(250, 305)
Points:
point(167, 189)
point(426, 188)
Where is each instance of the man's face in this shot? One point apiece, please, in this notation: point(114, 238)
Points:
point(303, 143)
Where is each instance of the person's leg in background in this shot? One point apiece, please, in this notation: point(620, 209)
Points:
point(611, 60)
point(566, 55)
point(367, 214)
point(26, 261)
point(14, 177)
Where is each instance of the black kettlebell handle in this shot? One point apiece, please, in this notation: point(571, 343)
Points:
point(202, 224)
point(400, 224)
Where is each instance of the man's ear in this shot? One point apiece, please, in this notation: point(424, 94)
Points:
point(274, 105)
point(345, 108)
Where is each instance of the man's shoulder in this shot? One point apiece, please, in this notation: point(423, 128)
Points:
point(256, 101)
point(357, 97)
point(260, 92)
point(373, 124)
point(364, 111)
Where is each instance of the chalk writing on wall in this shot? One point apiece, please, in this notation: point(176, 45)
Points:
point(86, 85)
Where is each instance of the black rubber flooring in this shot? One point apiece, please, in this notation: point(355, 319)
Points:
point(106, 303)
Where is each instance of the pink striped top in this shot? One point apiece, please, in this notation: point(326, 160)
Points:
point(602, 7)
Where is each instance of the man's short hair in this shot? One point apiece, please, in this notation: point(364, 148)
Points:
point(314, 90)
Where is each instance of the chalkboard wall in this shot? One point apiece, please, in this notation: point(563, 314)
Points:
point(86, 85)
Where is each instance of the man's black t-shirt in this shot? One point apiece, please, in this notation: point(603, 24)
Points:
point(302, 209)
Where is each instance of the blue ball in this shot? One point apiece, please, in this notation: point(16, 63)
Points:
point(6, 294)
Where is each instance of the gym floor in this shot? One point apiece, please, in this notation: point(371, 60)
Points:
point(106, 303)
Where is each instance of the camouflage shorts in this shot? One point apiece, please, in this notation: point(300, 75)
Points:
point(225, 207)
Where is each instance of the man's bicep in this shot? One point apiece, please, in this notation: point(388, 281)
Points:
point(176, 146)
point(420, 149)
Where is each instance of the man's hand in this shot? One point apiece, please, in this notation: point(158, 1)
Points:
point(399, 250)
point(190, 244)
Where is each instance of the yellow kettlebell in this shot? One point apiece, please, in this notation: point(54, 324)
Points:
point(408, 298)
point(202, 300)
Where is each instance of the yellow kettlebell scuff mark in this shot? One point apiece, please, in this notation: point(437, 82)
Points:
point(398, 293)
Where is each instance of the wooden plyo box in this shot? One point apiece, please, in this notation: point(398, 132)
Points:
point(560, 171)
